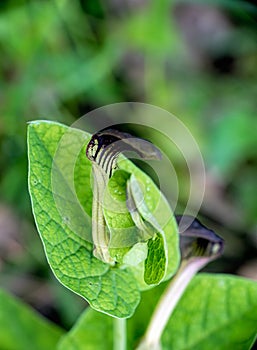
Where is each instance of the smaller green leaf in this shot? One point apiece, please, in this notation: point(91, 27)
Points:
point(155, 264)
point(23, 329)
point(216, 312)
point(93, 331)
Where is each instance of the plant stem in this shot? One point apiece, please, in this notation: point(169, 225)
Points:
point(120, 334)
point(168, 303)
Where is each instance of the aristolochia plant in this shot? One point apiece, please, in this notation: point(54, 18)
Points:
point(109, 234)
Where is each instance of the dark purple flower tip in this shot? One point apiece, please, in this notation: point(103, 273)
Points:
point(196, 240)
point(105, 146)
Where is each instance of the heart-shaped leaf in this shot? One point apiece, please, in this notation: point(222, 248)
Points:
point(61, 195)
point(60, 190)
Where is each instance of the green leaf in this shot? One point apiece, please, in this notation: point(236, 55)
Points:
point(60, 190)
point(84, 335)
point(216, 312)
point(92, 331)
point(23, 329)
point(155, 263)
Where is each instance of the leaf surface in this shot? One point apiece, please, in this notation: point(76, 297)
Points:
point(23, 329)
point(92, 331)
point(216, 312)
point(60, 190)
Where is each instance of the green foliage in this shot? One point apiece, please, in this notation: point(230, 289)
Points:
point(228, 146)
point(217, 311)
point(61, 59)
point(23, 329)
point(69, 254)
point(92, 331)
point(61, 209)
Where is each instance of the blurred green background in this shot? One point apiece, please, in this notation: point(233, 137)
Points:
point(196, 59)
